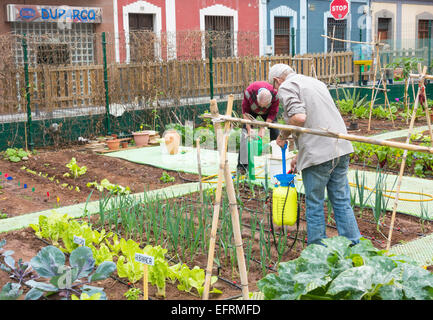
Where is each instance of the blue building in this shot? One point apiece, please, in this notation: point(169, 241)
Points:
point(297, 26)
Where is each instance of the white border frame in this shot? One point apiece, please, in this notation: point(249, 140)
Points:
point(146, 8)
point(327, 15)
point(283, 11)
point(219, 10)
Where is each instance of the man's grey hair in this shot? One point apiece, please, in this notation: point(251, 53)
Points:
point(264, 97)
point(280, 70)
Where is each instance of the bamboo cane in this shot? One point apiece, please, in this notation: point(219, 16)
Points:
point(323, 132)
point(222, 145)
point(197, 143)
point(427, 113)
point(332, 57)
point(387, 100)
point(373, 97)
point(352, 41)
point(403, 162)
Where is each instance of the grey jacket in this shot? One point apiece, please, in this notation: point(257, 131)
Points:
point(307, 95)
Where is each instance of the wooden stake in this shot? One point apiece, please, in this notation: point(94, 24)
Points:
point(386, 99)
point(332, 56)
point(197, 143)
point(403, 162)
point(145, 283)
point(373, 97)
point(222, 148)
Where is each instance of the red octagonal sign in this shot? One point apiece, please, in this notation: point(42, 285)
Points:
point(339, 9)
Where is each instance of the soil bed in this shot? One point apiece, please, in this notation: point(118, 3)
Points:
point(16, 200)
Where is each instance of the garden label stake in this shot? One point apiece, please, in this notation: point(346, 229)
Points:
point(403, 161)
point(145, 260)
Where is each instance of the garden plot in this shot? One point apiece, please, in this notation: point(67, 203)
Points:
point(181, 225)
point(39, 183)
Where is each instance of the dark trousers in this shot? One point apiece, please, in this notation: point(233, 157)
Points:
point(243, 149)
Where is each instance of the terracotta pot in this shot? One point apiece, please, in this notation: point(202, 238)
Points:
point(113, 144)
point(124, 144)
point(172, 141)
point(141, 138)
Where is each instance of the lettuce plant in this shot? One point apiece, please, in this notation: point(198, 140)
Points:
point(69, 279)
point(15, 154)
point(74, 169)
point(339, 271)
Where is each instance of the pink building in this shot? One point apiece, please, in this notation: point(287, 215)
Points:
point(178, 27)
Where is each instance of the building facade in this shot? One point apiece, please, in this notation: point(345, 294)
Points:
point(297, 26)
point(179, 27)
point(62, 31)
point(404, 24)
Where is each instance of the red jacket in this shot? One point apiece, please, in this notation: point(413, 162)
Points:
point(249, 103)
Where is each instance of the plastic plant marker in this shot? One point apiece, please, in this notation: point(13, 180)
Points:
point(48, 194)
point(6, 175)
point(9, 178)
point(25, 185)
point(33, 189)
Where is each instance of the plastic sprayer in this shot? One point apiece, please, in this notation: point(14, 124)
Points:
point(284, 197)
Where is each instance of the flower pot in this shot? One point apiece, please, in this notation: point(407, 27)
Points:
point(113, 144)
point(124, 144)
point(141, 138)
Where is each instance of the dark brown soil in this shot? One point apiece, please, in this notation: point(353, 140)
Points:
point(16, 200)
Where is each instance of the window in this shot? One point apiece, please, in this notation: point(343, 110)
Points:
point(282, 36)
point(141, 37)
point(219, 30)
point(53, 54)
point(384, 28)
point(340, 33)
point(79, 41)
point(423, 32)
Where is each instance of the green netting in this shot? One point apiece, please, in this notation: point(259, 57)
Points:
point(184, 161)
point(421, 250)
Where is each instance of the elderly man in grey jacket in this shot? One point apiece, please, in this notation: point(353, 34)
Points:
point(323, 161)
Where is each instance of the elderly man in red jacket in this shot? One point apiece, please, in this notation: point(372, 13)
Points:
point(260, 99)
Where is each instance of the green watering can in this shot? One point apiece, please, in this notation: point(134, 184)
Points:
point(255, 149)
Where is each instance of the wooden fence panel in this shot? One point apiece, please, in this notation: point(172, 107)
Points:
point(81, 86)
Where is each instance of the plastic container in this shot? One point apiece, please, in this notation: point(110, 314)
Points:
point(284, 210)
point(172, 141)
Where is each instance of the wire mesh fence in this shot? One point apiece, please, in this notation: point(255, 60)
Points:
point(81, 83)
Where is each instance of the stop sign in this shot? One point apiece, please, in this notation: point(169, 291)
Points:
point(339, 9)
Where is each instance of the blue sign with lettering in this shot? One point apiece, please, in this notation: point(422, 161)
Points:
point(37, 13)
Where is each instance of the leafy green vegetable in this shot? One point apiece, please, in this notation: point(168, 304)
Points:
point(67, 279)
point(75, 170)
point(15, 154)
point(340, 271)
point(112, 188)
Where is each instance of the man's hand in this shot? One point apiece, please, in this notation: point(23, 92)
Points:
point(280, 142)
point(261, 132)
